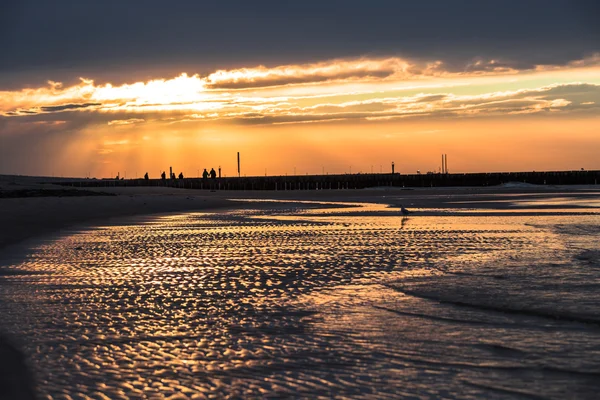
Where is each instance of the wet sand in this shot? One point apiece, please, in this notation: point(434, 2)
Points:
point(494, 299)
point(24, 218)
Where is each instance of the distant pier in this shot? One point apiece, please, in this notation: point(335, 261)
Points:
point(350, 181)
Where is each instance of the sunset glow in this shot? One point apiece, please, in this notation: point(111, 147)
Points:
point(289, 116)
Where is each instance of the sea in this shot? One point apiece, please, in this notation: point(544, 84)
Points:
point(317, 299)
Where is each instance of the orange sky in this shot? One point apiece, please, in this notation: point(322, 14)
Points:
point(335, 116)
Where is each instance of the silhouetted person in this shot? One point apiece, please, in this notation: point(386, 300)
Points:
point(213, 173)
point(163, 176)
point(172, 175)
point(146, 176)
point(205, 174)
point(181, 175)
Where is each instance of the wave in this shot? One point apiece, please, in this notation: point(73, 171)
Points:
point(531, 312)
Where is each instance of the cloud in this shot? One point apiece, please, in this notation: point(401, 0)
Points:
point(368, 89)
point(64, 107)
point(364, 69)
point(234, 32)
point(334, 70)
point(224, 89)
point(530, 101)
point(129, 121)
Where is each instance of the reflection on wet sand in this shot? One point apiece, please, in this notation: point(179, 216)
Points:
point(308, 300)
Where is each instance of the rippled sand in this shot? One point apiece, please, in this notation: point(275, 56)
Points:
point(314, 300)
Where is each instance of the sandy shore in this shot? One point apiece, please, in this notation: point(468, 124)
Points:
point(23, 218)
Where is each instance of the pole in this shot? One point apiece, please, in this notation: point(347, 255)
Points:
point(446, 162)
point(238, 159)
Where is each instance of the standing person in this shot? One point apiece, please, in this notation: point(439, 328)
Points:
point(146, 176)
point(163, 176)
point(213, 174)
point(205, 174)
point(181, 175)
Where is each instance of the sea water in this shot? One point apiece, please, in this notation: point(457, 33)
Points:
point(310, 300)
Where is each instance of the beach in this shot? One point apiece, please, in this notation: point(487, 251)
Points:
point(44, 212)
point(156, 292)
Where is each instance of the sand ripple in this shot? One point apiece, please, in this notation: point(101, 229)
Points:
point(270, 303)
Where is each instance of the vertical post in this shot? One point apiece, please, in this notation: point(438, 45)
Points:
point(393, 167)
point(170, 172)
point(443, 172)
point(219, 171)
point(238, 159)
point(446, 162)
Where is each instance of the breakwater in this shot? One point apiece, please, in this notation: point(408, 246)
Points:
point(351, 181)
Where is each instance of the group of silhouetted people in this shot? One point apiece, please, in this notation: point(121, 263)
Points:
point(212, 174)
point(205, 174)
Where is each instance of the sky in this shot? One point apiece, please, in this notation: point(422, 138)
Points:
point(97, 88)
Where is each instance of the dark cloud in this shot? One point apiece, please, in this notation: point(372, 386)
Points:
point(64, 107)
point(58, 39)
point(432, 97)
